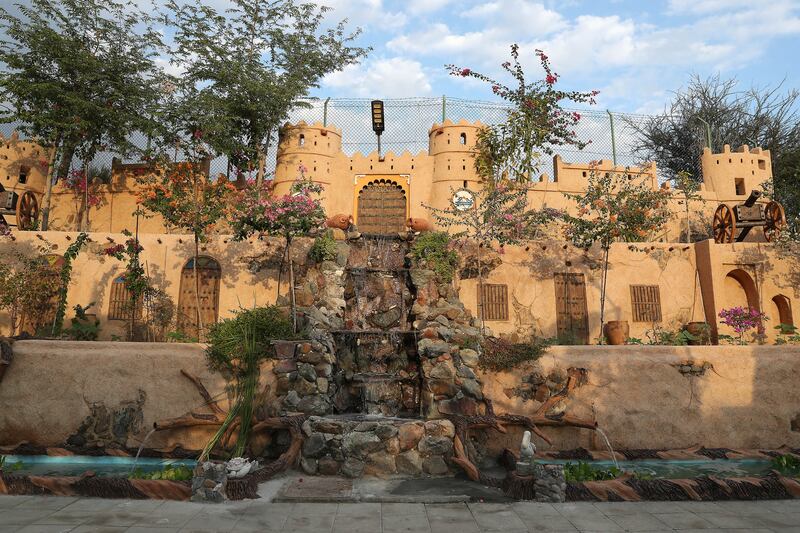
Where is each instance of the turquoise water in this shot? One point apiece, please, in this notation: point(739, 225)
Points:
point(680, 469)
point(75, 465)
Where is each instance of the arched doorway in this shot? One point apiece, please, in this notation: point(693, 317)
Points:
point(381, 208)
point(209, 274)
point(740, 290)
point(782, 310)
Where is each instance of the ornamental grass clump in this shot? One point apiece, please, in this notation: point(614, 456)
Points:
point(501, 355)
point(743, 319)
point(432, 250)
point(237, 347)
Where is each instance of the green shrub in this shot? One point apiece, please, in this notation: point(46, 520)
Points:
point(82, 328)
point(169, 472)
point(180, 336)
point(430, 250)
point(788, 465)
point(500, 355)
point(664, 337)
point(583, 471)
point(324, 248)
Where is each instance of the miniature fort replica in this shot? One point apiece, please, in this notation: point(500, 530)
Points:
point(388, 381)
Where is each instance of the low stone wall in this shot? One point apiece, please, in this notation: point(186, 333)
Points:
point(744, 397)
point(376, 447)
point(94, 393)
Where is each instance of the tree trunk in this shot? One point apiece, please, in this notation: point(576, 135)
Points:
point(51, 171)
point(688, 225)
point(67, 153)
point(198, 315)
point(291, 286)
point(480, 291)
point(262, 165)
point(85, 217)
point(603, 293)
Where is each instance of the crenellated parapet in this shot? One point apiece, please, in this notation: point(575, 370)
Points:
point(23, 164)
point(734, 174)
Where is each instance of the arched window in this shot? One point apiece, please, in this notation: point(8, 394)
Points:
point(784, 307)
point(302, 140)
point(463, 138)
point(208, 278)
point(382, 208)
point(119, 304)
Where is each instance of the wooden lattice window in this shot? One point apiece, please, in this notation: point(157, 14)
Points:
point(494, 301)
point(646, 303)
point(381, 208)
point(119, 305)
point(209, 275)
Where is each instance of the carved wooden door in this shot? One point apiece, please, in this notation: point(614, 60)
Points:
point(381, 208)
point(572, 318)
point(209, 275)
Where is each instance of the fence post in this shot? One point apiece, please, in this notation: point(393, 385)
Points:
point(444, 108)
point(325, 112)
point(708, 132)
point(613, 138)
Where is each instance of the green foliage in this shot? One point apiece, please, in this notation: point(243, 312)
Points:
point(237, 346)
point(66, 276)
point(82, 328)
point(788, 465)
point(169, 472)
point(500, 355)
point(28, 284)
point(664, 337)
point(247, 67)
point(787, 334)
point(324, 248)
point(10, 467)
point(180, 336)
point(583, 471)
point(432, 250)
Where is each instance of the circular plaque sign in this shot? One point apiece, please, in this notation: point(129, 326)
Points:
point(463, 199)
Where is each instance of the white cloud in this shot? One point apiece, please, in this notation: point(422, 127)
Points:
point(381, 78)
point(531, 18)
point(418, 7)
point(365, 13)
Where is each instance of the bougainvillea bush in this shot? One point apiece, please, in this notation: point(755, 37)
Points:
point(535, 122)
point(742, 320)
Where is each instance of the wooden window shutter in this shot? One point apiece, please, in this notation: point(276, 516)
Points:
point(646, 303)
point(494, 300)
point(120, 301)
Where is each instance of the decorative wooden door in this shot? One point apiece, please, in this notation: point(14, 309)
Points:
point(572, 317)
point(381, 208)
point(209, 275)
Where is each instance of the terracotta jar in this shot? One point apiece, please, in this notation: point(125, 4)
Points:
point(616, 332)
point(701, 330)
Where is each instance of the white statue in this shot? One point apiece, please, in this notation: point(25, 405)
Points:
point(527, 449)
point(239, 467)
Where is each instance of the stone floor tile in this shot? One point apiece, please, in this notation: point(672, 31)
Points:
point(21, 517)
point(546, 523)
point(140, 529)
point(266, 516)
point(699, 507)
point(6, 502)
point(639, 522)
point(91, 504)
point(47, 502)
point(411, 522)
point(402, 509)
point(619, 508)
point(41, 528)
point(312, 523)
point(99, 529)
point(359, 509)
point(169, 514)
point(731, 521)
point(496, 517)
point(524, 509)
point(591, 520)
point(206, 520)
point(684, 521)
point(309, 509)
point(777, 520)
point(357, 524)
point(450, 517)
point(65, 517)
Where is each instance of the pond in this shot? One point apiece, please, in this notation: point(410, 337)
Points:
point(683, 469)
point(75, 465)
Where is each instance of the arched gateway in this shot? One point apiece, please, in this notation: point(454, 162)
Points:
point(381, 208)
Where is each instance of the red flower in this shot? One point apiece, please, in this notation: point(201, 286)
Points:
point(466, 72)
point(551, 79)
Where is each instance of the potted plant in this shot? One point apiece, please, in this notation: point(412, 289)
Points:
point(700, 331)
point(616, 332)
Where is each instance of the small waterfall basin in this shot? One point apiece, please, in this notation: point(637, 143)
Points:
point(75, 465)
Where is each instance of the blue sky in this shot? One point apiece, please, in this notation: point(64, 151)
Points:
point(634, 52)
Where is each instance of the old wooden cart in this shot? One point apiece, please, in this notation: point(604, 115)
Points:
point(24, 208)
point(733, 225)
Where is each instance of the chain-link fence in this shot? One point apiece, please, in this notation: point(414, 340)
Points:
point(613, 136)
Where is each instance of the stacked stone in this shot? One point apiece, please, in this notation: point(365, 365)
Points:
point(549, 483)
point(380, 448)
point(209, 482)
point(447, 346)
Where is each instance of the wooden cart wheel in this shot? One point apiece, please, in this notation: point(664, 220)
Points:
point(724, 225)
point(774, 220)
point(27, 211)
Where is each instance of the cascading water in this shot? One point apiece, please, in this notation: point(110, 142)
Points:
point(141, 447)
point(608, 444)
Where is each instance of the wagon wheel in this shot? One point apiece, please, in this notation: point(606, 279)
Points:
point(27, 211)
point(724, 225)
point(774, 220)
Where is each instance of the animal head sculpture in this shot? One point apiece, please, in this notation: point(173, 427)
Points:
point(419, 225)
point(339, 221)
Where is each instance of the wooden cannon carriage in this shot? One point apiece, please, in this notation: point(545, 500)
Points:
point(733, 225)
point(23, 207)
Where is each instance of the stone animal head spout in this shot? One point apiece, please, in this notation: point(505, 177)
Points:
point(419, 225)
point(527, 449)
point(339, 221)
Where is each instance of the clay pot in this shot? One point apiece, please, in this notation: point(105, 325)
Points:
point(616, 332)
point(701, 330)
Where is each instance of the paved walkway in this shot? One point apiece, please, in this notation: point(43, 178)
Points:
point(41, 514)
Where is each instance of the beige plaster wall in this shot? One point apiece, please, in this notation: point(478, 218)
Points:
point(641, 400)
point(48, 389)
point(529, 274)
point(164, 257)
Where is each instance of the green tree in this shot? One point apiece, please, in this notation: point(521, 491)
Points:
point(244, 70)
point(79, 76)
point(615, 207)
point(535, 121)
